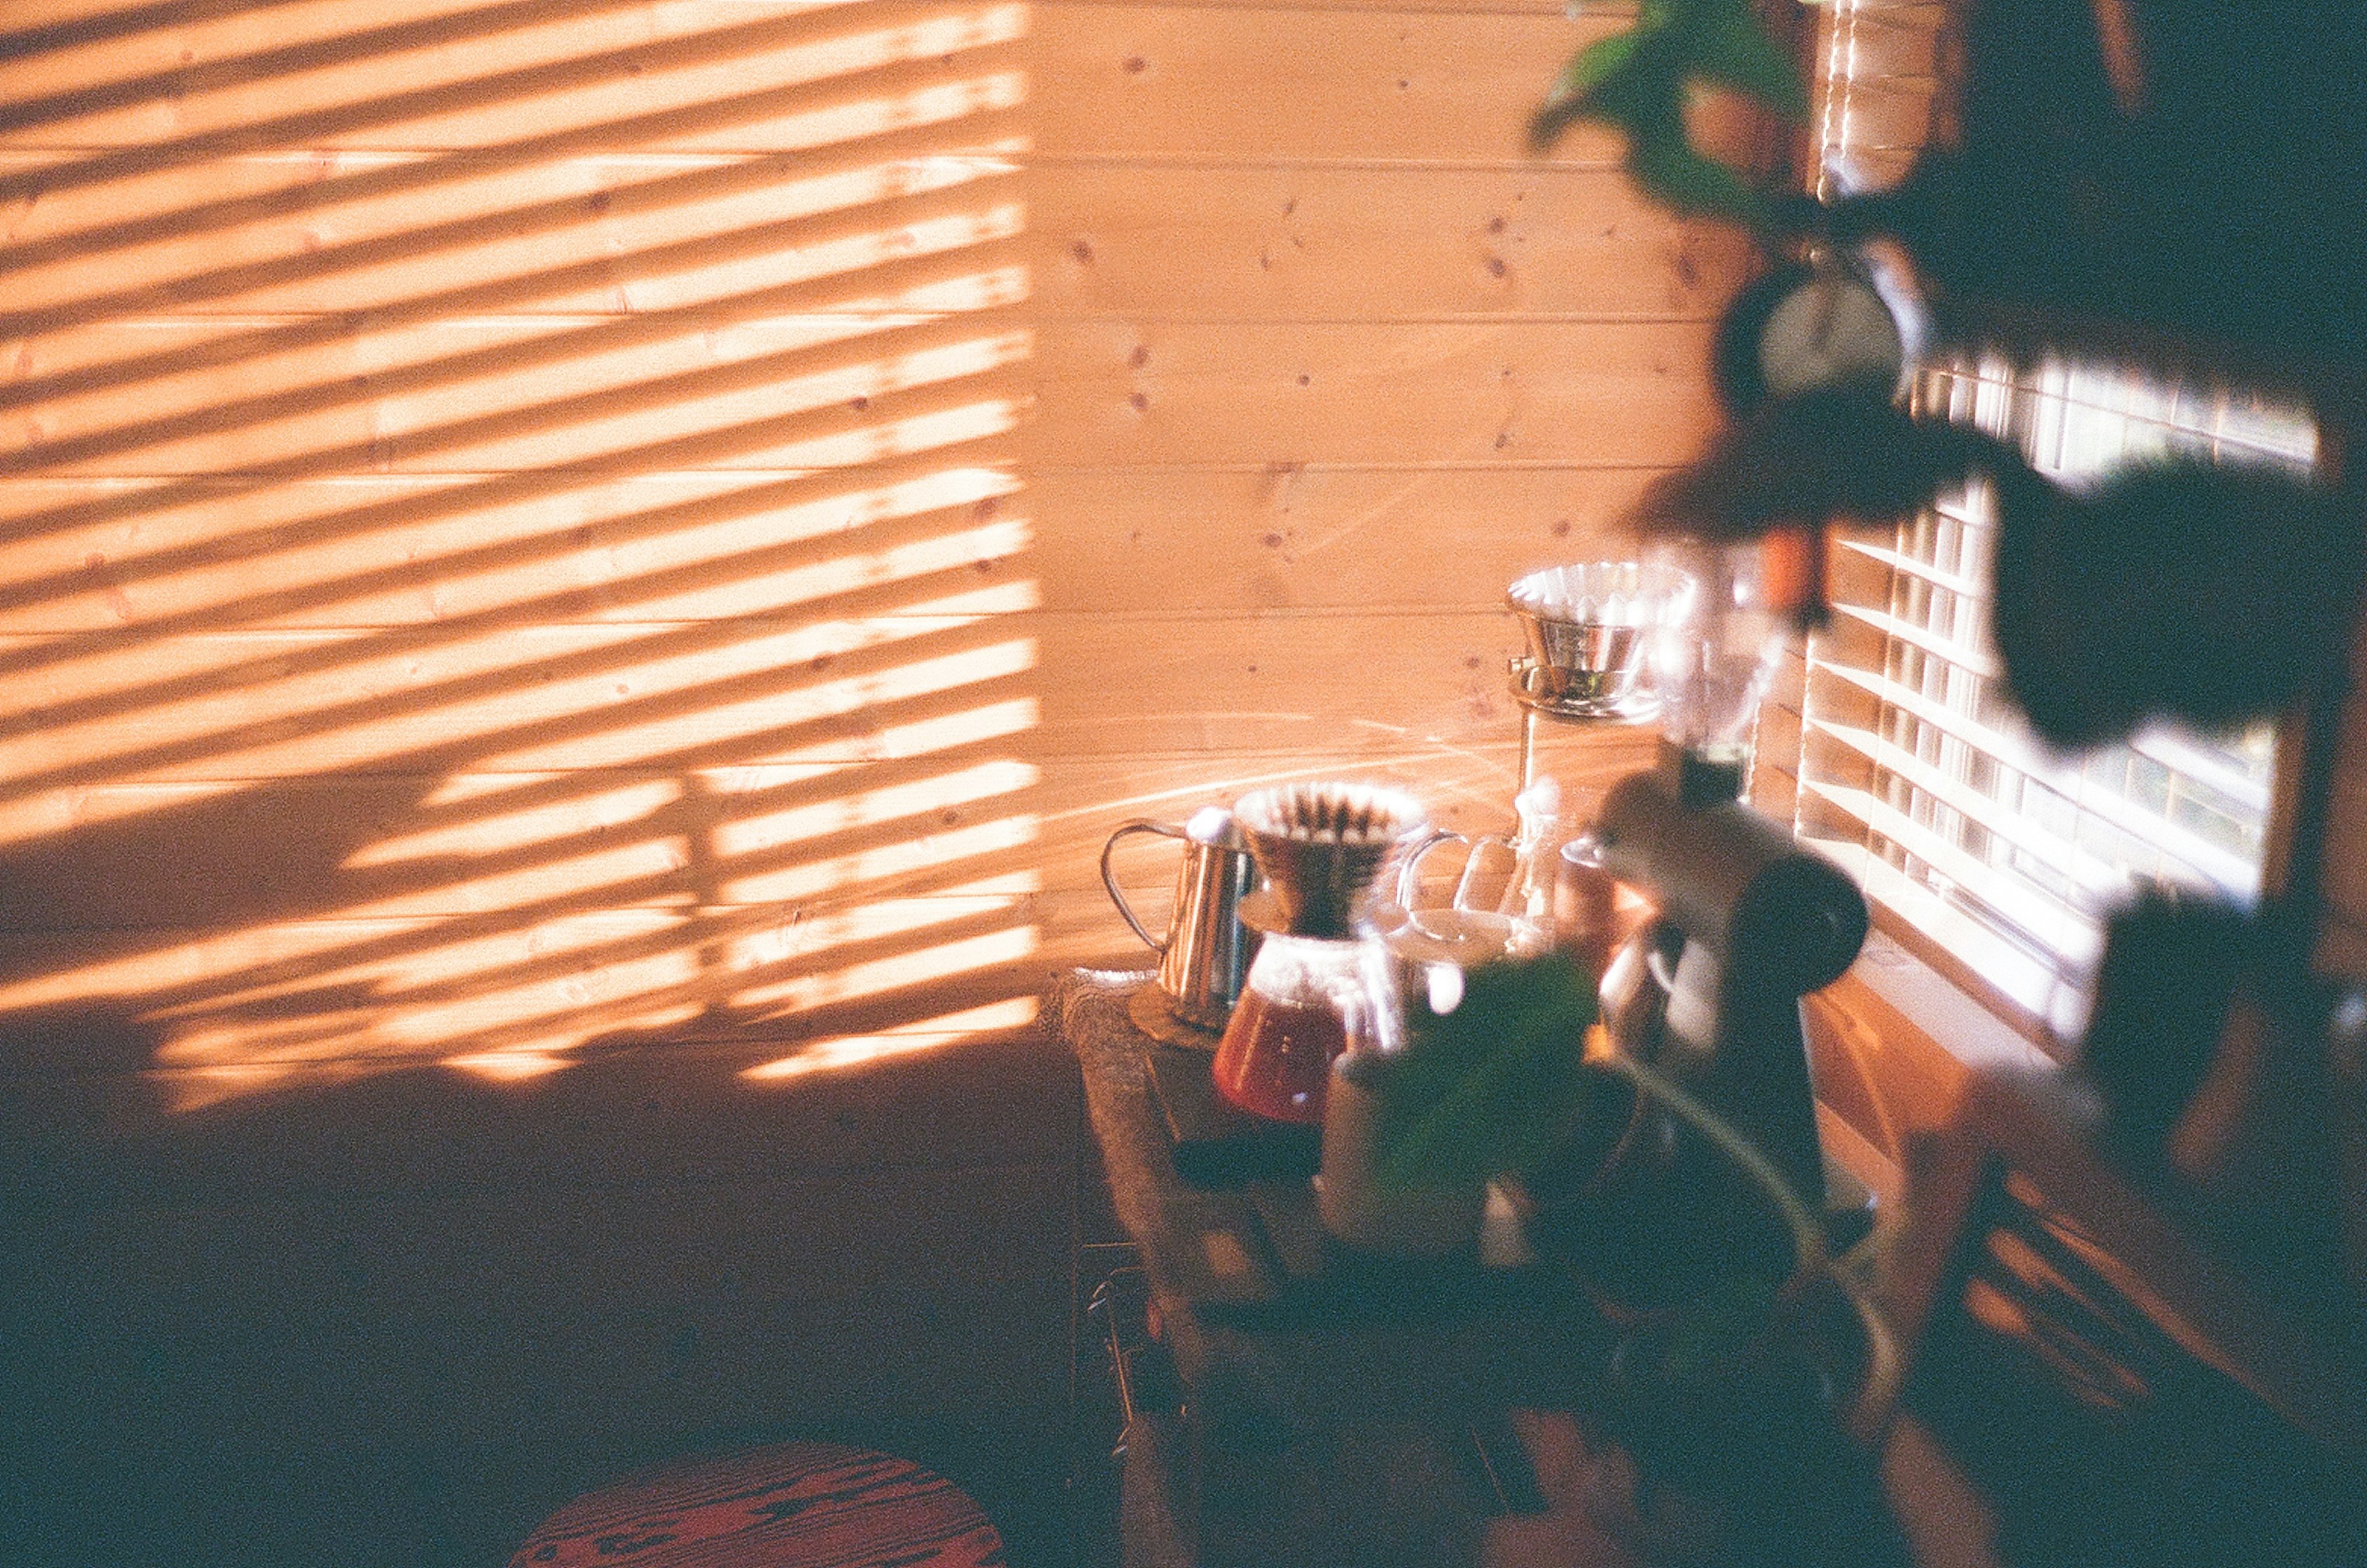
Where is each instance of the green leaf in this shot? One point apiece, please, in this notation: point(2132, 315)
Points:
point(1637, 82)
point(1648, 13)
point(1489, 1087)
point(1734, 51)
point(1593, 85)
point(1689, 183)
point(1633, 80)
point(1590, 65)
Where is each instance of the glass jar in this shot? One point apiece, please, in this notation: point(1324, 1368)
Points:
point(1713, 656)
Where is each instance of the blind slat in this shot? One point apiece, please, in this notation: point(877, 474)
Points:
point(2044, 920)
point(2032, 982)
point(1959, 795)
point(1958, 726)
point(2181, 754)
point(2233, 873)
point(1975, 660)
point(1899, 561)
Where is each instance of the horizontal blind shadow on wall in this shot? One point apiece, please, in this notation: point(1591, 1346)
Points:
point(509, 534)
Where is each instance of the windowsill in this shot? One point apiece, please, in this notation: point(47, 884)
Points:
point(1897, 1048)
point(1895, 1044)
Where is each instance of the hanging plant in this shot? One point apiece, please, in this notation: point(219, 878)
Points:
point(1639, 81)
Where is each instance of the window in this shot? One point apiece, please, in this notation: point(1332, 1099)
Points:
point(1914, 769)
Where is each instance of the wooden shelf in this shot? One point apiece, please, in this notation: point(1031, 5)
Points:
point(1358, 1415)
point(1269, 1346)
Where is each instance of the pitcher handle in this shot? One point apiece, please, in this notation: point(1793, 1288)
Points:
point(1410, 869)
point(1487, 850)
point(1409, 873)
point(1139, 825)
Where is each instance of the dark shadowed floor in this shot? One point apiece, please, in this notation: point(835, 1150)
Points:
point(397, 1320)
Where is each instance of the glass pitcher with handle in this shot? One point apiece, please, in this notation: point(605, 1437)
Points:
point(1504, 899)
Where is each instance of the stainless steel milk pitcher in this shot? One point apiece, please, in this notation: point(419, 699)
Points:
point(1208, 949)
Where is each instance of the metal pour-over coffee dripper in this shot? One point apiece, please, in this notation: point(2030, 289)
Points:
point(1589, 628)
point(1321, 846)
point(1320, 983)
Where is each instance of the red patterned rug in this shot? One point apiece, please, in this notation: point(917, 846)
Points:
point(786, 1506)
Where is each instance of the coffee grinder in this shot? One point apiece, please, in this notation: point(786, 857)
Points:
point(1708, 993)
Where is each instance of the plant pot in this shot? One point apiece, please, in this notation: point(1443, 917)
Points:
point(1356, 1207)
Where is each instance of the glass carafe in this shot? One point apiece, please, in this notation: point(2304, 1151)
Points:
point(1320, 982)
point(1504, 901)
point(1308, 999)
point(1713, 656)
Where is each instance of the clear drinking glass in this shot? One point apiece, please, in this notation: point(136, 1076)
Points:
point(1714, 655)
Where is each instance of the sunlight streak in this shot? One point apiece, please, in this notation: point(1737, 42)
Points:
point(904, 972)
point(840, 1053)
point(512, 546)
point(889, 863)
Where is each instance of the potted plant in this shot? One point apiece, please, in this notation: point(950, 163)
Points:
point(1486, 1079)
point(1642, 81)
point(1740, 1409)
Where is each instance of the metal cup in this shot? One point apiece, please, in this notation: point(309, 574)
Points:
point(1206, 950)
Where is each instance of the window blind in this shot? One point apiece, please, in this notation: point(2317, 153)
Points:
point(1913, 767)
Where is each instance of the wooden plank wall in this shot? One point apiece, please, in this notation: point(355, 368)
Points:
point(572, 575)
point(1325, 361)
point(524, 528)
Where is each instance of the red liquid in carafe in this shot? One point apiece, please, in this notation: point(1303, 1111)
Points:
point(1275, 1059)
